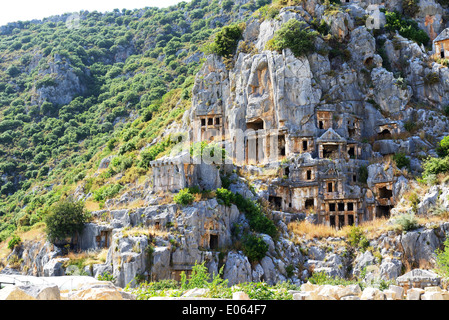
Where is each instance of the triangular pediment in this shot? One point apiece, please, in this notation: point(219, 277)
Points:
point(444, 35)
point(330, 135)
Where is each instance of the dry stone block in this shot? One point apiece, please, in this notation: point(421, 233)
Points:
point(372, 294)
point(30, 292)
point(414, 294)
point(398, 290)
point(432, 295)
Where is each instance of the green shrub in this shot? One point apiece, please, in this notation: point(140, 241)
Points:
point(443, 147)
point(363, 174)
point(294, 35)
point(414, 200)
point(258, 221)
point(262, 291)
point(442, 259)
point(225, 42)
point(321, 278)
point(106, 276)
point(225, 196)
point(107, 192)
point(254, 247)
point(406, 222)
point(432, 78)
point(66, 219)
point(435, 166)
point(357, 238)
point(14, 241)
point(401, 160)
point(407, 28)
point(184, 197)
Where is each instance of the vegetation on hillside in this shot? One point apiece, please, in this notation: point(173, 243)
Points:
point(136, 69)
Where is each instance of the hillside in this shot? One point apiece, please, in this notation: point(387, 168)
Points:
point(71, 96)
point(331, 118)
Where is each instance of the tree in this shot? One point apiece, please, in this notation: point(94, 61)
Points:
point(66, 219)
point(443, 147)
point(226, 40)
point(294, 35)
point(442, 260)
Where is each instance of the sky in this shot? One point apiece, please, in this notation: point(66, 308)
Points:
point(23, 10)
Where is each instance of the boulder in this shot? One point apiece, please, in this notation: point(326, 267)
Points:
point(30, 292)
point(414, 293)
point(388, 93)
point(432, 296)
point(97, 291)
point(399, 291)
point(54, 267)
point(237, 268)
point(372, 294)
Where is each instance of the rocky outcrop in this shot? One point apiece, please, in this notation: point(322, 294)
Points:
point(61, 83)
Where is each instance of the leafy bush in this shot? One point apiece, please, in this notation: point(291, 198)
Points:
point(66, 219)
point(106, 276)
point(184, 197)
point(434, 166)
point(443, 147)
point(407, 28)
point(107, 192)
point(406, 222)
point(294, 35)
point(357, 238)
point(254, 247)
point(258, 221)
point(151, 153)
point(442, 259)
point(15, 240)
point(225, 42)
point(225, 196)
point(262, 291)
point(401, 160)
point(322, 278)
point(414, 200)
point(363, 174)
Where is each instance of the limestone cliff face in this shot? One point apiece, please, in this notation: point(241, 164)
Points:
point(65, 83)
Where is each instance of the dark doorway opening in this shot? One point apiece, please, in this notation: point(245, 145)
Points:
point(351, 152)
point(275, 201)
point(309, 174)
point(255, 125)
point(213, 241)
point(383, 211)
point(384, 193)
point(281, 145)
point(330, 151)
point(341, 221)
point(309, 204)
point(350, 219)
point(385, 134)
point(332, 221)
